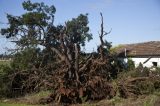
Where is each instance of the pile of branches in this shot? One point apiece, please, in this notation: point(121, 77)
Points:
point(31, 71)
point(139, 83)
point(91, 84)
point(71, 74)
point(81, 79)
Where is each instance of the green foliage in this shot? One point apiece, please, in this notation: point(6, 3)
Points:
point(34, 28)
point(77, 29)
point(5, 70)
point(36, 25)
point(38, 13)
point(34, 18)
point(32, 67)
point(39, 7)
point(139, 72)
point(26, 59)
point(158, 69)
point(157, 85)
point(30, 27)
point(83, 99)
point(5, 63)
point(117, 67)
point(9, 104)
point(16, 73)
point(151, 101)
point(145, 87)
point(113, 50)
point(131, 65)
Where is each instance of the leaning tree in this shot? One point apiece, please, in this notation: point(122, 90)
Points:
point(76, 74)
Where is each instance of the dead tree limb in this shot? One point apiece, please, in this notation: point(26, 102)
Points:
point(101, 35)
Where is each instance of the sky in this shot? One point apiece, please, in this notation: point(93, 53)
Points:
point(131, 21)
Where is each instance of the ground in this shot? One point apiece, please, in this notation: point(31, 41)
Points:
point(32, 100)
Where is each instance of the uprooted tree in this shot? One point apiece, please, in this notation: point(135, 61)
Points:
point(61, 64)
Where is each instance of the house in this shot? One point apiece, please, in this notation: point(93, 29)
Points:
point(147, 53)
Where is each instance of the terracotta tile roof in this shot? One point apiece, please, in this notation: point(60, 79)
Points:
point(151, 48)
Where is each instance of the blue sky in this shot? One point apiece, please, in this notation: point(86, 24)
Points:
point(131, 20)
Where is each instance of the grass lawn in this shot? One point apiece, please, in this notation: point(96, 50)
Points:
point(7, 104)
point(5, 62)
point(27, 99)
point(143, 100)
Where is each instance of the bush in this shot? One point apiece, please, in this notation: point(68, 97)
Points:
point(4, 80)
point(141, 72)
point(157, 84)
point(26, 58)
point(131, 65)
point(145, 87)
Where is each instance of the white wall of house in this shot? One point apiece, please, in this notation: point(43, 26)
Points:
point(148, 63)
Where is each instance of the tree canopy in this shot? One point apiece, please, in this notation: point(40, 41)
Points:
point(36, 27)
point(61, 65)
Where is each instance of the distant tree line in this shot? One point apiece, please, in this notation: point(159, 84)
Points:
point(6, 57)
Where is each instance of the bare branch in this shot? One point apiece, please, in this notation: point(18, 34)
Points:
point(77, 61)
point(87, 62)
point(106, 33)
point(60, 55)
point(102, 34)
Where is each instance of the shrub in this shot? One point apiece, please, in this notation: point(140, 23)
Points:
point(141, 72)
point(145, 87)
point(4, 80)
point(157, 84)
